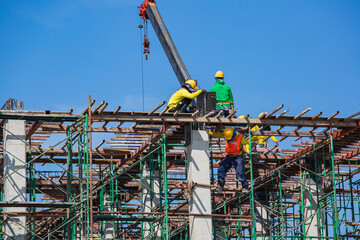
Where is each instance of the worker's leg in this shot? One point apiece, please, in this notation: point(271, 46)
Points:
point(260, 148)
point(225, 112)
point(224, 167)
point(183, 104)
point(240, 174)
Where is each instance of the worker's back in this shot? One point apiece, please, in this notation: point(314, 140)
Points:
point(223, 93)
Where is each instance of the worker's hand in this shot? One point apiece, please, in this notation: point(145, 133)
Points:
point(204, 90)
point(219, 127)
point(210, 133)
point(277, 143)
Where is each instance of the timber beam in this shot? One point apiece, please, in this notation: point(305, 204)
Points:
point(186, 118)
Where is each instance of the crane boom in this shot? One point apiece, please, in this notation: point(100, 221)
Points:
point(148, 10)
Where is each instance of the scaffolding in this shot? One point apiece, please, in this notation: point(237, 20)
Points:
point(323, 192)
point(134, 185)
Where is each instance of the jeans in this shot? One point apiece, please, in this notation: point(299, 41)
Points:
point(238, 163)
point(226, 111)
point(183, 105)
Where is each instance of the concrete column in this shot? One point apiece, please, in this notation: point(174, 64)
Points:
point(15, 177)
point(150, 199)
point(200, 196)
point(311, 195)
point(220, 229)
point(108, 226)
point(80, 231)
point(262, 223)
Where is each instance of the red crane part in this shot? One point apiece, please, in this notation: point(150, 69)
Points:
point(143, 7)
point(146, 44)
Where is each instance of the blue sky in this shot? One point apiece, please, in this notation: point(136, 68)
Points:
point(301, 53)
point(53, 54)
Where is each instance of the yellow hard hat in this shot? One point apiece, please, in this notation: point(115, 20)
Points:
point(242, 116)
point(219, 74)
point(262, 114)
point(192, 83)
point(228, 133)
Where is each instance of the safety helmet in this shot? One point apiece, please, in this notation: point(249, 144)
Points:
point(228, 133)
point(241, 116)
point(262, 114)
point(192, 83)
point(219, 74)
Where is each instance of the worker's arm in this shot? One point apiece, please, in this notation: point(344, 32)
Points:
point(187, 94)
point(254, 137)
point(213, 89)
point(275, 140)
point(216, 135)
point(245, 143)
point(231, 98)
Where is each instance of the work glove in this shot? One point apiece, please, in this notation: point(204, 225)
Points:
point(192, 109)
point(204, 90)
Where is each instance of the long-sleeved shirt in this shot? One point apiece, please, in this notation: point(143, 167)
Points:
point(180, 95)
point(243, 142)
point(260, 139)
point(224, 96)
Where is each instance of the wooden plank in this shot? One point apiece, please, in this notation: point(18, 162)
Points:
point(175, 120)
point(33, 128)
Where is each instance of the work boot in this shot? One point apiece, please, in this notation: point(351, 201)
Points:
point(245, 189)
point(221, 183)
point(220, 187)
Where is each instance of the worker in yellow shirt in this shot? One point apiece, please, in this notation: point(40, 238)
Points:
point(235, 143)
point(259, 140)
point(182, 98)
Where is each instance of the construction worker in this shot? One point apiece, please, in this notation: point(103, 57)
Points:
point(224, 96)
point(259, 140)
point(182, 98)
point(235, 143)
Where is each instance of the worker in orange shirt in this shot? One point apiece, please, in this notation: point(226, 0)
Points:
point(235, 143)
point(182, 98)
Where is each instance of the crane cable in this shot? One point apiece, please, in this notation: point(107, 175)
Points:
point(142, 65)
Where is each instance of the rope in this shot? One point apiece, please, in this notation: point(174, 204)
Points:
point(142, 68)
point(189, 185)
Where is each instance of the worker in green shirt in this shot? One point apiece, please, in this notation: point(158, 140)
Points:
point(224, 97)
